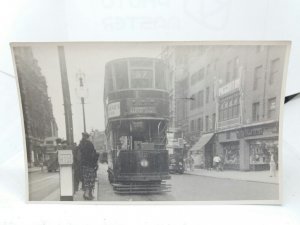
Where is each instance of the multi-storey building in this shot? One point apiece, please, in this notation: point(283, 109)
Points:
point(37, 107)
point(98, 139)
point(232, 103)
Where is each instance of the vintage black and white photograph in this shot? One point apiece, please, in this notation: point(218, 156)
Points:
point(152, 121)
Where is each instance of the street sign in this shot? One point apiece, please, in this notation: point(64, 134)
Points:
point(65, 157)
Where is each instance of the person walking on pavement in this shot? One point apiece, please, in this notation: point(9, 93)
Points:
point(89, 159)
point(217, 161)
point(272, 165)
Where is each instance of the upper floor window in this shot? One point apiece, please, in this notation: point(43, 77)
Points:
point(207, 95)
point(257, 77)
point(255, 112)
point(200, 99)
point(274, 70)
point(228, 71)
point(271, 108)
point(193, 102)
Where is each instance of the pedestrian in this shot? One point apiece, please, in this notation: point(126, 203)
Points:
point(76, 167)
point(272, 165)
point(191, 163)
point(216, 162)
point(89, 159)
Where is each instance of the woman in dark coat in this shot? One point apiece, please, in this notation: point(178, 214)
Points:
point(89, 165)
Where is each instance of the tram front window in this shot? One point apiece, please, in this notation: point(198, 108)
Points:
point(141, 78)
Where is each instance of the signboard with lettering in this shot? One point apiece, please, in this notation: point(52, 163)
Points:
point(233, 85)
point(65, 157)
point(142, 109)
point(113, 110)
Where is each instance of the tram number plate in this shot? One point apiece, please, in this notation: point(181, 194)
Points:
point(138, 110)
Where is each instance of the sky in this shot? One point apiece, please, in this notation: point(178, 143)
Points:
point(89, 58)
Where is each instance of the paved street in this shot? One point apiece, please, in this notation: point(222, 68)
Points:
point(196, 188)
point(186, 187)
point(43, 186)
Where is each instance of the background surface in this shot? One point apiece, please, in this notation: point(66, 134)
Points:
point(96, 20)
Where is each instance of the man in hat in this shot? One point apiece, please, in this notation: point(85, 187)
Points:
point(89, 165)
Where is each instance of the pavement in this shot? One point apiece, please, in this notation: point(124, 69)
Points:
point(256, 176)
point(35, 169)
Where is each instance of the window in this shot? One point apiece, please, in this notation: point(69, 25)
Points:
point(200, 124)
point(160, 76)
point(228, 71)
point(274, 70)
point(120, 71)
point(141, 78)
point(196, 77)
point(193, 102)
point(257, 77)
point(208, 72)
point(236, 68)
point(206, 123)
point(200, 99)
point(207, 94)
point(213, 121)
point(229, 107)
point(192, 127)
point(255, 112)
point(271, 107)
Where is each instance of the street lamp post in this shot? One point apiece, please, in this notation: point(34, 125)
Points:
point(82, 93)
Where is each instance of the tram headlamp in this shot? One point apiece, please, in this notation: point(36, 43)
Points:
point(144, 163)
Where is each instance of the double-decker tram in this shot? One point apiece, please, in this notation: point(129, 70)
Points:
point(136, 113)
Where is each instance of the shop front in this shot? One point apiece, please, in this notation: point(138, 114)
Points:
point(261, 140)
point(202, 151)
point(248, 148)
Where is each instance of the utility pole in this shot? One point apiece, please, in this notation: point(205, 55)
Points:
point(66, 95)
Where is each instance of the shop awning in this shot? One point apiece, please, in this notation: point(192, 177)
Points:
point(204, 139)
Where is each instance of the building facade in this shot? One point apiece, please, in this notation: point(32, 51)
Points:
point(231, 108)
point(98, 139)
point(36, 104)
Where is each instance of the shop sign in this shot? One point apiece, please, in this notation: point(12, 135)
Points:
point(248, 132)
point(113, 109)
point(235, 84)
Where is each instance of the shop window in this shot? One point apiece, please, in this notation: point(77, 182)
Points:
point(257, 77)
point(271, 108)
point(255, 112)
point(260, 151)
point(274, 70)
point(231, 154)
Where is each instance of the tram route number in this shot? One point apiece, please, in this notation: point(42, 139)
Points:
point(141, 110)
